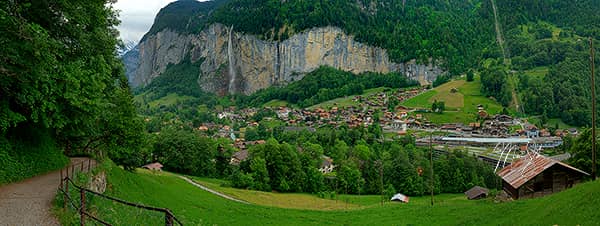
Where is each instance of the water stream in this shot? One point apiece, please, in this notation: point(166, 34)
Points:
point(231, 59)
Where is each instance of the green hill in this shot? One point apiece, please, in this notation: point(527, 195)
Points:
point(193, 206)
point(461, 99)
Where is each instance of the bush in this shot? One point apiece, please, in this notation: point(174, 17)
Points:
point(28, 154)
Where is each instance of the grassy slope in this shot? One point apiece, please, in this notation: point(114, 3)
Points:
point(460, 106)
point(194, 206)
point(281, 200)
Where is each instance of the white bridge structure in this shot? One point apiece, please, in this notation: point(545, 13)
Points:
point(505, 148)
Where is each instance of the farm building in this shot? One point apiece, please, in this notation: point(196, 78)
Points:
point(535, 175)
point(477, 193)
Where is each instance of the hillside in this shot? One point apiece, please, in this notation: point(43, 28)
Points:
point(194, 206)
point(241, 47)
point(461, 99)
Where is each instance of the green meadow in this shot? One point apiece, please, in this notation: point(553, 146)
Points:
point(461, 99)
point(194, 206)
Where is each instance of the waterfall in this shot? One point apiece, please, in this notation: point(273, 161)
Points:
point(231, 62)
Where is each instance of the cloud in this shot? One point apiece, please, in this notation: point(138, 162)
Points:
point(137, 17)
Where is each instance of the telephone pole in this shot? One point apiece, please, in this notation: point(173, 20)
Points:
point(593, 110)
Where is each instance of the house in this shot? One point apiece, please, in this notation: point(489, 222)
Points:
point(477, 193)
point(535, 175)
point(403, 114)
point(532, 131)
point(475, 125)
point(153, 166)
point(482, 114)
point(573, 131)
point(326, 165)
point(545, 133)
point(238, 157)
point(400, 198)
point(203, 128)
point(503, 118)
point(449, 126)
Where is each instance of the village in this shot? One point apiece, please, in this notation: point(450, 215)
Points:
point(373, 108)
point(480, 137)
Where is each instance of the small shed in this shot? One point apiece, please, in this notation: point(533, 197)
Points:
point(477, 193)
point(535, 175)
point(153, 166)
point(400, 198)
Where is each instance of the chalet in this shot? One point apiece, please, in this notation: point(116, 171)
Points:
point(545, 133)
point(573, 131)
point(419, 116)
point(475, 125)
point(503, 118)
point(203, 128)
point(326, 165)
point(449, 126)
point(153, 166)
point(402, 108)
point(238, 157)
point(403, 114)
point(477, 193)
point(482, 114)
point(535, 175)
point(532, 131)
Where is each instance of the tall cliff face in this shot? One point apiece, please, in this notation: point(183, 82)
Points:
point(236, 63)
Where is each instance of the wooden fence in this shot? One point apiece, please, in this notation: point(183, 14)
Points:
point(66, 183)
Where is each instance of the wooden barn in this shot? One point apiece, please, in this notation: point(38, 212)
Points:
point(477, 193)
point(535, 175)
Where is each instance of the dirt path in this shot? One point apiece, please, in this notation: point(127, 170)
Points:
point(212, 191)
point(29, 202)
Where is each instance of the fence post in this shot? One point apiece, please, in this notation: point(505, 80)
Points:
point(168, 218)
point(82, 206)
point(61, 179)
point(73, 170)
point(89, 164)
point(66, 192)
point(81, 166)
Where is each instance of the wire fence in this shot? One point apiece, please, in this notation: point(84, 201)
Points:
point(94, 208)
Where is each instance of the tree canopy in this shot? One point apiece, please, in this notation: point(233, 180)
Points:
point(60, 72)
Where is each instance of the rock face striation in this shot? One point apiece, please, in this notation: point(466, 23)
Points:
point(233, 62)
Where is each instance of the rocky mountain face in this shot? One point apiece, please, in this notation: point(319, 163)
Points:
point(233, 62)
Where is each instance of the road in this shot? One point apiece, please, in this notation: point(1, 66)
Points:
point(28, 202)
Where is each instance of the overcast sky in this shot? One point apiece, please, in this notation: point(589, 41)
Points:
point(137, 17)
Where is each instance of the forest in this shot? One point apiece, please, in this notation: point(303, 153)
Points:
point(323, 84)
point(546, 36)
point(289, 162)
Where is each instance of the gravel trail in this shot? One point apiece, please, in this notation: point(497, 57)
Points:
point(28, 202)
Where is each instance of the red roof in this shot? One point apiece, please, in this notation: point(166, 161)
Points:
point(529, 166)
